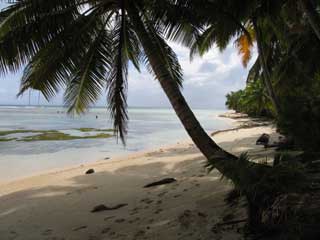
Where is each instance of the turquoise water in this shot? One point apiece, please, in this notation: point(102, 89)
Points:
point(148, 128)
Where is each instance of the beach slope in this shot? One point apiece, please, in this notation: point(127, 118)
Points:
point(59, 205)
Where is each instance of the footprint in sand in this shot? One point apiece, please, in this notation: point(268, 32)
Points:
point(120, 220)
point(47, 232)
point(79, 228)
point(195, 183)
point(134, 220)
point(108, 218)
point(105, 230)
point(201, 214)
point(146, 200)
point(158, 211)
point(139, 235)
point(135, 211)
point(162, 194)
point(93, 238)
point(13, 234)
point(185, 218)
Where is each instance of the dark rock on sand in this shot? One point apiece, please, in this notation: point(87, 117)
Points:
point(90, 171)
point(161, 182)
point(263, 139)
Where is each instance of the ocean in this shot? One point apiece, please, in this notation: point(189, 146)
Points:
point(148, 128)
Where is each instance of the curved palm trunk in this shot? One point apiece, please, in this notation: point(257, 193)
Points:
point(266, 74)
point(227, 164)
point(312, 16)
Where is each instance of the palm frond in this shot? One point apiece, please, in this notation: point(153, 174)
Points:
point(254, 72)
point(47, 72)
point(24, 30)
point(182, 28)
point(167, 56)
point(88, 80)
point(54, 63)
point(204, 42)
point(131, 45)
point(244, 45)
point(117, 78)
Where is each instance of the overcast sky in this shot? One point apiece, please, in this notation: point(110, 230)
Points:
point(206, 82)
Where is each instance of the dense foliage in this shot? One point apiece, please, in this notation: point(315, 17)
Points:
point(286, 34)
point(252, 100)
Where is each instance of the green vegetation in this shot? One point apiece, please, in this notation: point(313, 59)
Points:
point(253, 100)
point(284, 82)
point(7, 139)
point(93, 130)
point(59, 136)
point(52, 135)
point(9, 132)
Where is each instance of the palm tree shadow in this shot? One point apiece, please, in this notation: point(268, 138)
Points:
point(64, 209)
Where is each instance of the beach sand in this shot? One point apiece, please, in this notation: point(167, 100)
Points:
point(58, 205)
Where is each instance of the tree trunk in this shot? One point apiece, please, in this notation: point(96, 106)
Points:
point(223, 161)
point(266, 73)
point(312, 16)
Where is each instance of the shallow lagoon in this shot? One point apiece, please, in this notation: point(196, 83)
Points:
point(148, 128)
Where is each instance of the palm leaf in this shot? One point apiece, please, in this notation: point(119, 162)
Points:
point(183, 27)
point(88, 80)
point(117, 78)
point(203, 42)
point(244, 45)
point(254, 72)
point(55, 62)
point(165, 53)
point(24, 30)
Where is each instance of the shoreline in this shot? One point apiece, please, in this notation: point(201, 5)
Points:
point(119, 157)
point(239, 121)
point(58, 205)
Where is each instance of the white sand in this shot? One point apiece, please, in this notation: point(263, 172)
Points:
point(57, 205)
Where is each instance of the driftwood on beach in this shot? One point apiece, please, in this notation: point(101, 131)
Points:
point(102, 207)
point(161, 182)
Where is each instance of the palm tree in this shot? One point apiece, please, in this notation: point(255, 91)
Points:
point(263, 63)
point(86, 45)
point(224, 21)
point(310, 10)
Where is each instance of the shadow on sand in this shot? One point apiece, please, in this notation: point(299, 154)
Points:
point(187, 209)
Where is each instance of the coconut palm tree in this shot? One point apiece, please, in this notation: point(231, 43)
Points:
point(226, 20)
point(310, 9)
point(263, 63)
point(85, 46)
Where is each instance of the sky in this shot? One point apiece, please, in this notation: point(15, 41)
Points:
point(206, 82)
